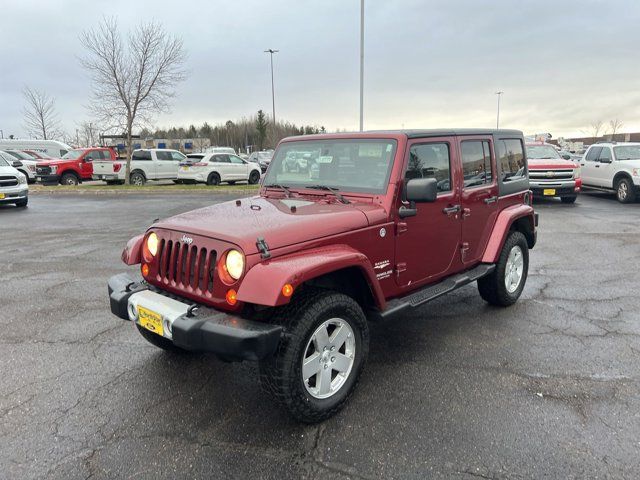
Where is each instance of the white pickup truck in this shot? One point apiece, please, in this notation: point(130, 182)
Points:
point(146, 164)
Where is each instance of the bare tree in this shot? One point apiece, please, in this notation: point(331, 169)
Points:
point(615, 126)
point(133, 78)
point(595, 129)
point(40, 114)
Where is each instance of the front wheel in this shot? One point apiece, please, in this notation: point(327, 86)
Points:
point(625, 192)
point(505, 284)
point(571, 199)
point(69, 179)
point(22, 203)
point(319, 361)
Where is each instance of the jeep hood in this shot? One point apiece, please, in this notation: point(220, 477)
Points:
point(546, 163)
point(274, 220)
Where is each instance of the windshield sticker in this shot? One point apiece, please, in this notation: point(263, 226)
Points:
point(325, 159)
point(370, 150)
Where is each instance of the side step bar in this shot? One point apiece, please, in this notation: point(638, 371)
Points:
point(431, 292)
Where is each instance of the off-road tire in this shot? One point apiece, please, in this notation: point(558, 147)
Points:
point(629, 189)
point(69, 179)
point(158, 341)
point(137, 178)
point(281, 374)
point(571, 199)
point(254, 177)
point(213, 179)
point(492, 287)
point(22, 203)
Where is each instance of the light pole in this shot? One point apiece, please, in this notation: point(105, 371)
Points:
point(271, 51)
point(1, 134)
point(361, 65)
point(499, 94)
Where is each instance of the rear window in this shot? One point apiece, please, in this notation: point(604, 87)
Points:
point(141, 155)
point(511, 159)
point(196, 156)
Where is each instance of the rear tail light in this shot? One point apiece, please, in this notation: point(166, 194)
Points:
point(200, 164)
point(117, 167)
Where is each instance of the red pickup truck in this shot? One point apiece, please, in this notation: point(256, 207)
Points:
point(75, 167)
point(290, 277)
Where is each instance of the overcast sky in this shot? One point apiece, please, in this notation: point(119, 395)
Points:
point(562, 64)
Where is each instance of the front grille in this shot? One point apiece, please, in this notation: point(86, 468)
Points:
point(185, 266)
point(43, 170)
point(8, 181)
point(552, 174)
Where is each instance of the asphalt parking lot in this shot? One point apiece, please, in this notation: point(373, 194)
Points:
point(547, 388)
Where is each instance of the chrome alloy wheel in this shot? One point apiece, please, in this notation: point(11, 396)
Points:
point(623, 191)
point(328, 358)
point(513, 269)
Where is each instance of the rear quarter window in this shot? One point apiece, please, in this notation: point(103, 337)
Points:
point(141, 155)
point(511, 159)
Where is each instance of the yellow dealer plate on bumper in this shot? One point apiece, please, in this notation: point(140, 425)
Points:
point(549, 191)
point(1, 196)
point(150, 320)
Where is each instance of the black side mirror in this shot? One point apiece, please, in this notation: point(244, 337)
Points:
point(17, 163)
point(566, 157)
point(418, 190)
point(422, 190)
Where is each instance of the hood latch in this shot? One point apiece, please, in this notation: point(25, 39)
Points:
point(262, 246)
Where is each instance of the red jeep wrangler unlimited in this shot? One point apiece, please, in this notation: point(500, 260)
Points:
point(383, 222)
point(74, 167)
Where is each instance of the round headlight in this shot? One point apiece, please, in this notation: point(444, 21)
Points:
point(152, 244)
point(234, 264)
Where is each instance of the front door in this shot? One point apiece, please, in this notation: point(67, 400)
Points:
point(604, 170)
point(588, 165)
point(479, 196)
point(427, 244)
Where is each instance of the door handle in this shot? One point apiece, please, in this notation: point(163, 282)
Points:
point(450, 210)
point(490, 200)
point(597, 166)
point(582, 164)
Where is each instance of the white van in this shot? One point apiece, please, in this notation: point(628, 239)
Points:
point(52, 148)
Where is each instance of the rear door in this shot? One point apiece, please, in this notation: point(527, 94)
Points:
point(165, 165)
point(239, 168)
point(222, 165)
point(427, 244)
point(479, 198)
point(588, 166)
point(142, 160)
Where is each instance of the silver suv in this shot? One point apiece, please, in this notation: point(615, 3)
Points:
point(614, 167)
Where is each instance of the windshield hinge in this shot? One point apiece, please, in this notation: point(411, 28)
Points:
point(263, 248)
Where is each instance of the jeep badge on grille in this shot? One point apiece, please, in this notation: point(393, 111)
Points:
point(187, 240)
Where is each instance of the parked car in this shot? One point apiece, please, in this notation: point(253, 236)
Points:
point(74, 167)
point(214, 168)
point(227, 150)
point(38, 155)
point(21, 162)
point(146, 164)
point(262, 158)
point(613, 167)
point(290, 277)
point(550, 175)
point(51, 147)
point(13, 185)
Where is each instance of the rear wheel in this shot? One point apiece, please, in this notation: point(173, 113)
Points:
point(505, 284)
point(158, 341)
point(254, 177)
point(69, 179)
point(625, 192)
point(231, 182)
point(319, 361)
point(571, 199)
point(137, 179)
point(213, 179)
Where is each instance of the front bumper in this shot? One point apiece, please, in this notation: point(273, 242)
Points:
point(193, 328)
point(14, 194)
point(554, 189)
point(48, 179)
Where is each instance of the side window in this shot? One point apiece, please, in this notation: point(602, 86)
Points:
point(163, 155)
point(593, 154)
point(141, 155)
point(221, 159)
point(511, 159)
point(91, 156)
point(605, 154)
point(178, 156)
point(476, 163)
point(105, 155)
point(236, 160)
point(430, 160)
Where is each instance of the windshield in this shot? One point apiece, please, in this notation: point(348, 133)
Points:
point(627, 152)
point(3, 162)
point(19, 155)
point(542, 151)
point(73, 154)
point(347, 165)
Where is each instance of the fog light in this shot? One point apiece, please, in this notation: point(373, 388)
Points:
point(232, 297)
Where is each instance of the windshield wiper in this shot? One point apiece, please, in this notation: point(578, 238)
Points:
point(281, 187)
point(329, 189)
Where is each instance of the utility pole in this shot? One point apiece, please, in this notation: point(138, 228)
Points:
point(499, 94)
point(1, 134)
point(273, 95)
point(361, 65)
